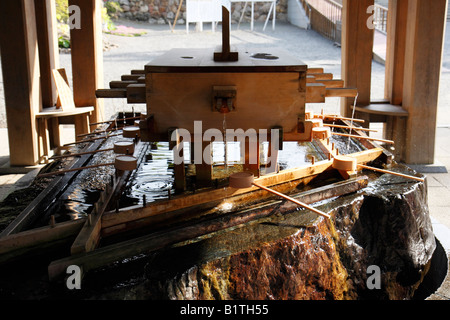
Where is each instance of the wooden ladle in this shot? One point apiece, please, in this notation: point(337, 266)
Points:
point(242, 180)
point(120, 147)
point(122, 162)
point(347, 163)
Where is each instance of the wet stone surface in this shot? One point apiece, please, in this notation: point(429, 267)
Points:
point(297, 255)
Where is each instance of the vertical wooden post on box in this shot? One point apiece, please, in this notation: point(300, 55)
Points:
point(423, 62)
point(251, 156)
point(20, 66)
point(357, 49)
point(204, 170)
point(179, 172)
point(87, 58)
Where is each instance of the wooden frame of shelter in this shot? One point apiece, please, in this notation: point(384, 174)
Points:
point(29, 52)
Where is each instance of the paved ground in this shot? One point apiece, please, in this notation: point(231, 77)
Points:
point(314, 50)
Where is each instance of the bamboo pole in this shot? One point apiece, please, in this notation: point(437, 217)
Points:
point(176, 16)
point(49, 174)
point(392, 172)
point(304, 205)
point(362, 137)
point(93, 139)
point(79, 154)
point(109, 121)
point(348, 127)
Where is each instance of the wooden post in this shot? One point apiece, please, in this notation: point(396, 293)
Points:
point(357, 48)
point(395, 128)
point(87, 58)
point(48, 48)
point(395, 50)
point(203, 171)
point(20, 65)
point(423, 61)
point(251, 156)
point(226, 54)
point(48, 60)
point(178, 169)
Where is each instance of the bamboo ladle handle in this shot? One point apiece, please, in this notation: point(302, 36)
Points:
point(49, 174)
point(122, 162)
point(79, 154)
point(243, 180)
point(392, 173)
point(361, 137)
point(304, 205)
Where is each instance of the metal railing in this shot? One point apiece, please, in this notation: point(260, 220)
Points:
point(380, 18)
point(325, 17)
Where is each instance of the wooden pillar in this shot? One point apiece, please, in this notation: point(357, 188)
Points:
point(87, 57)
point(395, 127)
point(48, 48)
point(423, 62)
point(395, 50)
point(20, 65)
point(357, 49)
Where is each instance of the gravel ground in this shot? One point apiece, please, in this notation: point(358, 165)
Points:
point(126, 53)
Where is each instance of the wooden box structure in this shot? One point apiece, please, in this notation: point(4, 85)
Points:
point(186, 85)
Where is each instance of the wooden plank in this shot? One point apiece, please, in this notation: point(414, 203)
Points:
point(109, 254)
point(37, 241)
point(56, 113)
point(312, 71)
point(89, 235)
point(383, 109)
point(341, 92)
point(315, 93)
point(132, 77)
point(65, 95)
point(310, 79)
point(120, 84)
point(111, 93)
point(20, 66)
point(136, 93)
point(323, 76)
point(335, 83)
point(200, 61)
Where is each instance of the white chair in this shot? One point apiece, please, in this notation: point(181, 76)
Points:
point(200, 11)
